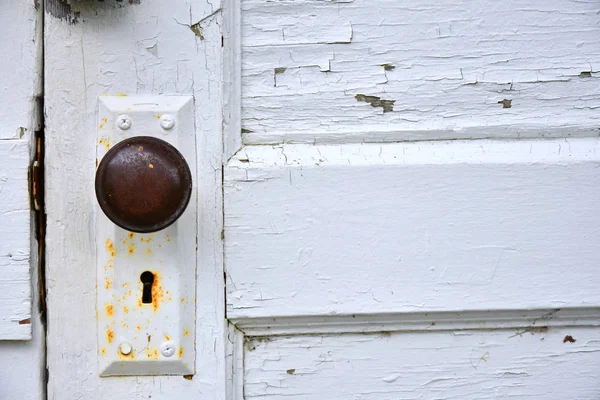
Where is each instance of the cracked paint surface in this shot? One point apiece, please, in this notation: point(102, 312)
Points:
point(445, 66)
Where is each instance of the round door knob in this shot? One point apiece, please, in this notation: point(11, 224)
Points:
point(143, 184)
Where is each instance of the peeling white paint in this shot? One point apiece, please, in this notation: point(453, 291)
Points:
point(397, 365)
point(447, 66)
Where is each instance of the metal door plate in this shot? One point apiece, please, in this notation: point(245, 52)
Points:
point(137, 337)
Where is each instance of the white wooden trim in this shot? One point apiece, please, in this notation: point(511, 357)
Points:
point(529, 320)
point(235, 363)
point(22, 363)
point(21, 44)
point(232, 78)
point(361, 135)
point(15, 276)
point(128, 48)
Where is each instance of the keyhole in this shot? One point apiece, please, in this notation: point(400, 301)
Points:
point(147, 279)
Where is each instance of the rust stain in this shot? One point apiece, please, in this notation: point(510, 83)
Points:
point(167, 237)
point(138, 327)
point(186, 332)
point(25, 321)
point(110, 335)
point(188, 377)
point(180, 352)
point(139, 303)
point(103, 351)
point(110, 248)
point(104, 141)
point(167, 337)
point(131, 234)
point(157, 291)
point(125, 309)
point(152, 353)
point(109, 309)
point(121, 94)
point(131, 248)
point(146, 239)
point(149, 251)
point(569, 339)
point(107, 283)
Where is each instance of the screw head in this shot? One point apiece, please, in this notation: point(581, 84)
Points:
point(167, 121)
point(124, 122)
point(125, 348)
point(167, 349)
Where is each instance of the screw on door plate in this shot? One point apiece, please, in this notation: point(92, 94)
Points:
point(167, 121)
point(124, 122)
point(167, 349)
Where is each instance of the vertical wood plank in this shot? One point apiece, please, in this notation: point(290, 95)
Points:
point(126, 48)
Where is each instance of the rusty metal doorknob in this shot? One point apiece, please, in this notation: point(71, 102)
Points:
point(143, 184)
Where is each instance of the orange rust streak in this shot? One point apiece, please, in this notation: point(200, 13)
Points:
point(180, 352)
point(157, 292)
point(152, 353)
point(125, 309)
point(186, 332)
point(110, 335)
point(131, 248)
point(109, 309)
point(103, 351)
point(110, 248)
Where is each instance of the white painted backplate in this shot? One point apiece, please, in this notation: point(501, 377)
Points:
point(170, 254)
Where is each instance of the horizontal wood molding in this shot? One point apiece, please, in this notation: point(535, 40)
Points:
point(527, 320)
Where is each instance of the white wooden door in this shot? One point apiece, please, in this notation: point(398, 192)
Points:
point(395, 199)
